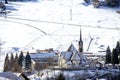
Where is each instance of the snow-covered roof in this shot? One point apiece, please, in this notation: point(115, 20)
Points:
point(71, 55)
point(42, 55)
point(2, 78)
point(101, 0)
point(8, 76)
point(66, 55)
point(69, 63)
point(76, 56)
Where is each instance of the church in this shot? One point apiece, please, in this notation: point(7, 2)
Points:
point(73, 58)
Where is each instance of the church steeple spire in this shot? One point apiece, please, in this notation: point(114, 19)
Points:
point(80, 42)
point(80, 35)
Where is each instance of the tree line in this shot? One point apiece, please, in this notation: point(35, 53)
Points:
point(6, 1)
point(17, 64)
point(113, 57)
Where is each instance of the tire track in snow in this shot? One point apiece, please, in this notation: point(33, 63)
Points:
point(111, 17)
point(25, 24)
point(70, 24)
point(34, 40)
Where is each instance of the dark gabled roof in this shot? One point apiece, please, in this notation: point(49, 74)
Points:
point(71, 48)
point(71, 54)
point(76, 55)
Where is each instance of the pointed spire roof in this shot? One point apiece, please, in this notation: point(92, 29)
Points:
point(80, 49)
point(80, 35)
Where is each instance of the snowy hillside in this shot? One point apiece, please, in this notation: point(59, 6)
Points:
point(56, 24)
point(18, 30)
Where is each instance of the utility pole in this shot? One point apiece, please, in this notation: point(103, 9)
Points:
point(71, 14)
point(91, 39)
point(71, 10)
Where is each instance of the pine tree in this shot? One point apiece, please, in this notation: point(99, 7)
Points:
point(6, 1)
point(115, 57)
point(6, 63)
point(16, 67)
point(12, 61)
point(16, 57)
point(113, 3)
point(60, 77)
point(6, 58)
point(27, 61)
point(21, 59)
point(108, 55)
point(12, 57)
point(118, 47)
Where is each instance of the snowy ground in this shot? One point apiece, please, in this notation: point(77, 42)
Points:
point(76, 74)
point(56, 23)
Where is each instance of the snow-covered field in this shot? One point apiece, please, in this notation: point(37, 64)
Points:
point(56, 24)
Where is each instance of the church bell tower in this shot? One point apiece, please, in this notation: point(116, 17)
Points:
point(80, 49)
